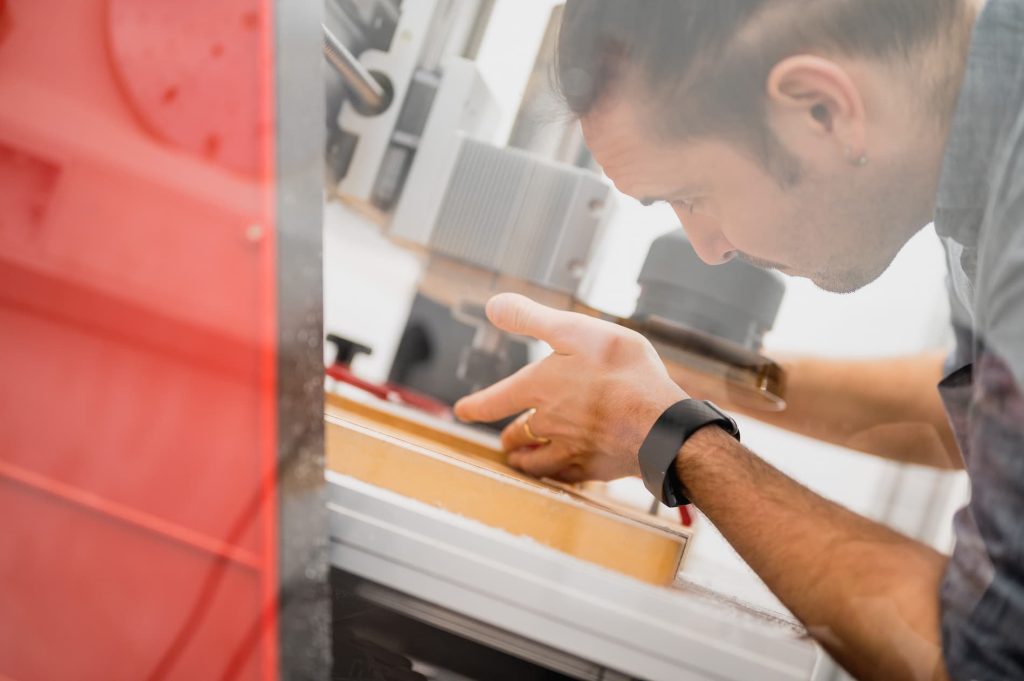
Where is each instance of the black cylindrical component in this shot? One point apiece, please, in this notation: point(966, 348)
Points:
point(735, 301)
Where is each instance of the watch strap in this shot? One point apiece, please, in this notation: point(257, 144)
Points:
point(673, 428)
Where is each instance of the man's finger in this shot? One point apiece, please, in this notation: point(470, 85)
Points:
point(517, 436)
point(562, 330)
point(506, 397)
point(572, 474)
point(541, 462)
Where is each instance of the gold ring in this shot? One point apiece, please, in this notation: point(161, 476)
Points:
point(529, 431)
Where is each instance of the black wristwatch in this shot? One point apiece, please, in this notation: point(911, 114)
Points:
point(659, 451)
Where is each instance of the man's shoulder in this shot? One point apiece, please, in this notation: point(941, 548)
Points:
point(999, 294)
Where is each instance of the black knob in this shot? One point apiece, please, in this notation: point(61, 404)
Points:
point(345, 349)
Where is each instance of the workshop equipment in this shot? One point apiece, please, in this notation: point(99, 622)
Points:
point(435, 539)
point(161, 481)
point(341, 370)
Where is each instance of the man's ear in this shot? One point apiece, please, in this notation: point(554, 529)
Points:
point(819, 98)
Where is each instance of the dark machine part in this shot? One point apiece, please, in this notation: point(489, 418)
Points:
point(446, 39)
point(356, 26)
point(363, 24)
point(370, 92)
point(486, 360)
point(345, 350)
point(406, 138)
point(376, 643)
point(436, 355)
point(735, 301)
point(353, 26)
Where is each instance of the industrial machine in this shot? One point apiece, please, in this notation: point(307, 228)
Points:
point(161, 479)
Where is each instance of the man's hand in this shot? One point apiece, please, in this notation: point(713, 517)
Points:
point(596, 397)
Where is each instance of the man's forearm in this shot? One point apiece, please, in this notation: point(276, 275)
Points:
point(867, 594)
point(886, 407)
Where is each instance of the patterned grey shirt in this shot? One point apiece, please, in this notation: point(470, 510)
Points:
point(980, 218)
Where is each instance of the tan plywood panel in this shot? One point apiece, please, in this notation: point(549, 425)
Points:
point(414, 426)
point(380, 450)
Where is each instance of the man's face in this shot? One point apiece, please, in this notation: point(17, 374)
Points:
point(839, 225)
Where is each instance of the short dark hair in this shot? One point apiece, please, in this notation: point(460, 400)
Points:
point(707, 61)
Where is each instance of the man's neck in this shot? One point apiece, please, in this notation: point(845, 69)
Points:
point(956, 47)
point(958, 44)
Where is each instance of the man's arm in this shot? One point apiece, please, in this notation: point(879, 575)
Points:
point(869, 595)
point(886, 407)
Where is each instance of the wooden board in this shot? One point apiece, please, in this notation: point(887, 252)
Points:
point(445, 469)
point(414, 426)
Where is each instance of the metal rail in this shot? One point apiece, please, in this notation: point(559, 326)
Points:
point(360, 82)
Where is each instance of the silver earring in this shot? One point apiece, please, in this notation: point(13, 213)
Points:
point(861, 160)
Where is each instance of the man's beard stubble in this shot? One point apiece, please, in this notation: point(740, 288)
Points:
point(871, 221)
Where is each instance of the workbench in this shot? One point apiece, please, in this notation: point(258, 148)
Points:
point(518, 594)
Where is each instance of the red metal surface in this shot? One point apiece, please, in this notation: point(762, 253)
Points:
point(137, 299)
point(342, 373)
point(400, 393)
point(391, 392)
point(179, 64)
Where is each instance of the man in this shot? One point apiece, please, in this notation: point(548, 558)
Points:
point(815, 138)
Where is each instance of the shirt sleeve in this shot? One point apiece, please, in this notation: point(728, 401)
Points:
point(982, 594)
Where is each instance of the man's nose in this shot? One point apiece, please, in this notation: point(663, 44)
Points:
point(707, 239)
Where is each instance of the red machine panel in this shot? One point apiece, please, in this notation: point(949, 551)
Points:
point(137, 308)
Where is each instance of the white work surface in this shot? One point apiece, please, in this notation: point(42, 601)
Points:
point(519, 596)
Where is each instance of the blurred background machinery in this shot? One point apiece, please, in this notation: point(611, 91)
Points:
point(422, 160)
